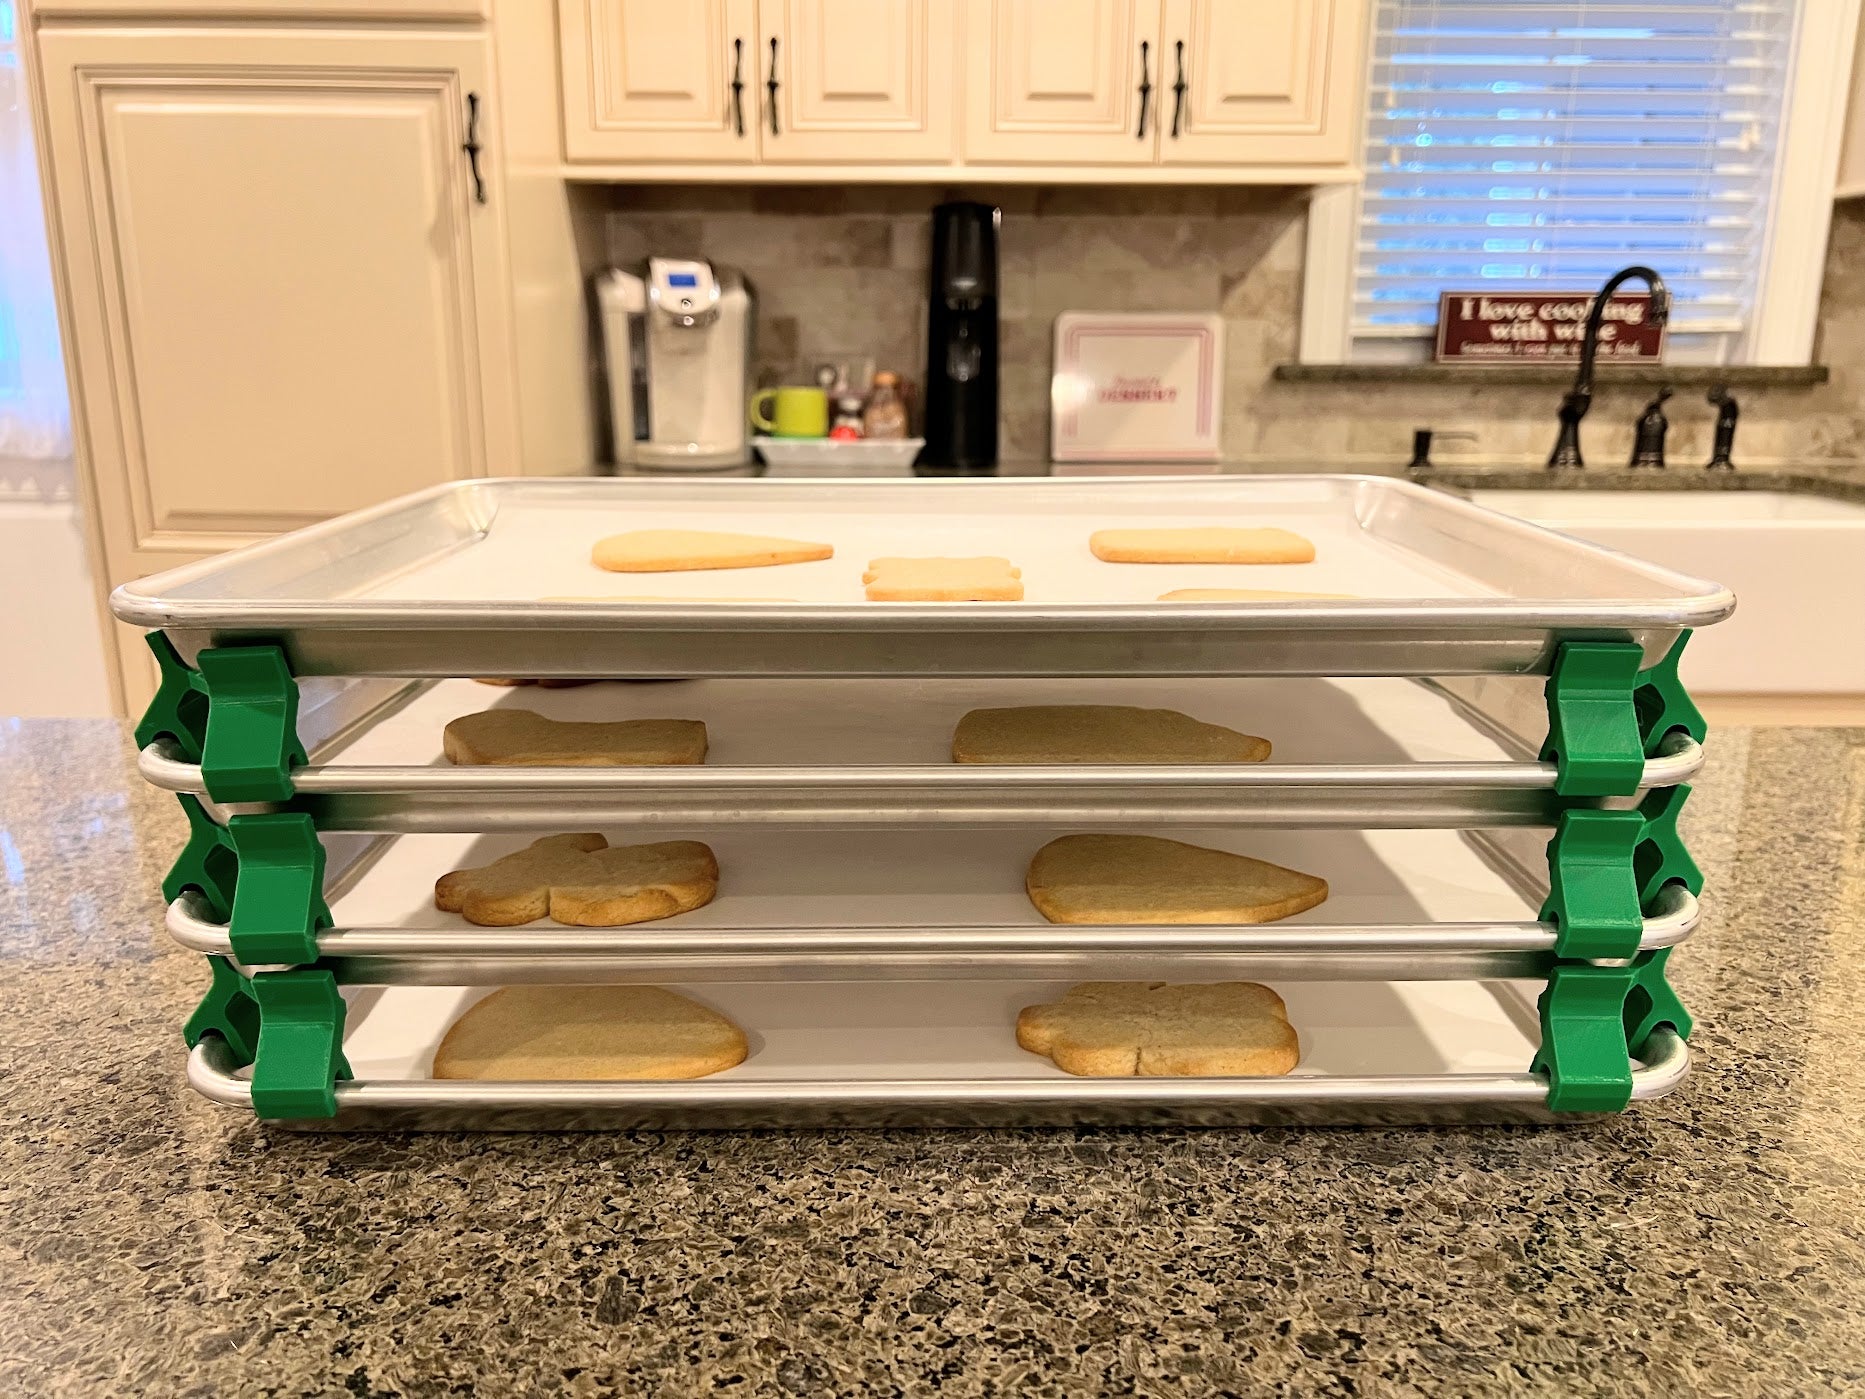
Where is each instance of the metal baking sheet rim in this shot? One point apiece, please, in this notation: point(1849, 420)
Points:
point(497, 956)
point(526, 637)
point(1507, 643)
point(431, 1104)
point(432, 799)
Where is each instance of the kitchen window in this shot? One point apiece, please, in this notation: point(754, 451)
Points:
point(34, 420)
point(1543, 144)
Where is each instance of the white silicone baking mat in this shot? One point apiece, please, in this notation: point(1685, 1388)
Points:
point(957, 878)
point(843, 723)
point(537, 548)
point(967, 1029)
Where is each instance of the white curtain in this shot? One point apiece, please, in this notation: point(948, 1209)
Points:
point(35, 419)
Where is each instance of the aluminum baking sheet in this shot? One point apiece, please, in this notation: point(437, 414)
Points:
point(888, 1052)
point(1403, 905)
point(1359, 752)
point(452, 581)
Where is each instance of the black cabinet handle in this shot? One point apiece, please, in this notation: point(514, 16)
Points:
point(771, 85)
point(738, 86)
point(471, 146)
point(1146, 88)
point(1178, 89)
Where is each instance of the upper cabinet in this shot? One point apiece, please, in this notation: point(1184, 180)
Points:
point(1062, 81)
point(725, 82)
point(646, 80)
point(1127, 90)
point(857, 80)
point(1274, 82)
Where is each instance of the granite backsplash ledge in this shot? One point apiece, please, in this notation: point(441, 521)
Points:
point(845, 270)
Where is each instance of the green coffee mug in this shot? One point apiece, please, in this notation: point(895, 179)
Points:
point(800, 412)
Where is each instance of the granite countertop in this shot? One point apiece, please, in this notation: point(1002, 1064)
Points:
point(1710, 1243)
point(1540, 479)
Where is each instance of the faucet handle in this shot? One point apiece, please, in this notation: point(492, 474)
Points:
point(1727, 410)
point(1421, 445)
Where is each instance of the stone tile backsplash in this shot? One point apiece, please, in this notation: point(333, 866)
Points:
point(844, 270)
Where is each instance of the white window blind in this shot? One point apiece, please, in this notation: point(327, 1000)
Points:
point(34, 420)
point(1544, 144)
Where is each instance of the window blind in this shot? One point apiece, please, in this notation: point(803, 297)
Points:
point(34, 418)
point(1544, 144)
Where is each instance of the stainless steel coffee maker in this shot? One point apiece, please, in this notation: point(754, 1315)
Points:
point(677, 337)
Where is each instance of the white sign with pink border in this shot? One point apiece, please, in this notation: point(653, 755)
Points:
point(1137, 387)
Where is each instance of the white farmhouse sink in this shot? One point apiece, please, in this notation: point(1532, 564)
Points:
point(1796, 563)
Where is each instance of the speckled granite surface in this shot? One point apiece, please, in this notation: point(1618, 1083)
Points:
point(1711, 1243)
point(1670, 479)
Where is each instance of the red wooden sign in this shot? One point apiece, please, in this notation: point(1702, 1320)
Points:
point(1508, 327)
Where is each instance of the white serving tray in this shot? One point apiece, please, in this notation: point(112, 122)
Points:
point(826, 457)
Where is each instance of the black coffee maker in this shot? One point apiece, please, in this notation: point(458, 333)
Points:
point(961, 343)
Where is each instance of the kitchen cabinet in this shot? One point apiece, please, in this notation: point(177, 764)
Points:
point(1062, 81)
point(376, 11)
point(1272, 82)
point(284, 298)
point(653, 81)
point(1066, 90)
point(857, 80)
point(1172, 82)
point(729, 82)
point(1851, 181)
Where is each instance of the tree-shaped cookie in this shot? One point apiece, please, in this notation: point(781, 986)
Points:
point(583, 880)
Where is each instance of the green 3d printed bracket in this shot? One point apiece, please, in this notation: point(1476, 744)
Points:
point(236, 715)
point(1605, 872)
point(1605, 716)
point(1594, 1021)
point(263, 875)
point(288, 1025)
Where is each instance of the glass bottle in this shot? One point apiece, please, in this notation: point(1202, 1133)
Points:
point(886, 416)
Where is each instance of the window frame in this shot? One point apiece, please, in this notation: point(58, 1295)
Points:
point(1785, 316)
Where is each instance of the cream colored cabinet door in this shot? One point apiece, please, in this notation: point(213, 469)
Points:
point(1273, 82)
point(283, 297)
point(857, 81)
point(673, 81)
point(1062, 82)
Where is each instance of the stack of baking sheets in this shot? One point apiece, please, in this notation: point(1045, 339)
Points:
point(871, 935)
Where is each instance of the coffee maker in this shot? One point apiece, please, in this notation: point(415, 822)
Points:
point(677, 338)
point(961, 343)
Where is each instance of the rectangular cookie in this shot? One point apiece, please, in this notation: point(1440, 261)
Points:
point(680, 550)
point(1206, 544)
point(525, 738)
point(987, 579)
point(1246, 595)
point(1098, 733)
